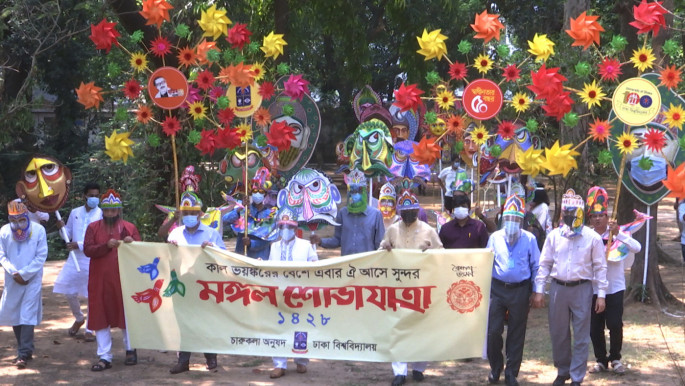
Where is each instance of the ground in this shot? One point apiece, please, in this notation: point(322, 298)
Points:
point(653, 351)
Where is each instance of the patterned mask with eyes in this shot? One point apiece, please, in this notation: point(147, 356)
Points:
point(404, 166)
point(231, 167)
point(44, 184)
point(312, 196)
point(514, 147)
point(370, 148)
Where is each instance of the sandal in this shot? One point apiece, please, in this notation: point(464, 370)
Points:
point(88, 337)
point(131, 358)
point(101, 365)
point(73, 330)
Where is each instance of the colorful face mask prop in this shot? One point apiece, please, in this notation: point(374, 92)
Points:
point(189, 179)
point(312, 197)
point(597, 201)
point(514, 147)
point(19, 220)
point(231, 167)
point(405, 125)
point(370, 148)
point(44, 184)
point(404, 166)
point(573, 212)
point(357, 193)
point(368, 105)
point(387, 200)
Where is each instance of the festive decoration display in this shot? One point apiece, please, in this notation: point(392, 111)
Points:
point(44, 184)
point(312, 197)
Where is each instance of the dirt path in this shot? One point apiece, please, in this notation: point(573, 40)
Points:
point(61, 359)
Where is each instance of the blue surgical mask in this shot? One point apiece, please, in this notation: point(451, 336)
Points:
point(257, 198)
point(648, 177)
point(190, 221)
point(93, 202)
point(287, 234)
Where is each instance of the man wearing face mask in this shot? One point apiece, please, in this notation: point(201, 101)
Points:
point(410, 233)
point(463, 231)
point(23, 250)
point(290, 248)
point(193, 232)
point(516, 264)
point(573, 256)
point(105, 299)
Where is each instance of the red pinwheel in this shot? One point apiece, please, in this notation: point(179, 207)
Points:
point(227, 138)
point(558, 105)
point(238, 36)
point(207, 143)
point(150, 296)
point(426, 152)
point(408, 97)
point(280, 135)
point(104, 35)
point(226, 116)
point(295, 87)
point(649, 17)
point(547, 82)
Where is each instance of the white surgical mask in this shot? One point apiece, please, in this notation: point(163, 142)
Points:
point(257, 198)
point(461, 213)
point(287, 234)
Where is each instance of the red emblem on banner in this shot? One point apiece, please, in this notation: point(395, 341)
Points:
point(482, 99)
point(464, 296)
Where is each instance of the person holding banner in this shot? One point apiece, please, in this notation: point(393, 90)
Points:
point(105, 299)
point(193, 232)
point(516, 264)
point(290, 248)
point(23, 250)
point(573, 256)
point(410, 233)
point(612, 317)
point(70, 281)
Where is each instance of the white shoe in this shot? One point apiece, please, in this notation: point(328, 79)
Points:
point(618, 367)
point(597, 368)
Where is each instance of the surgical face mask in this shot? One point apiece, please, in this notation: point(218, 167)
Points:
point(257, 198)
point(190, 221)
point(511, 228)
point(92, 202)
point(287, 234)
point(651, 176)
point(460, 213)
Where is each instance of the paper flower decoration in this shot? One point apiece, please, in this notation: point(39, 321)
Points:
point(262, 117)
point(483, 64)
point(171, 126)
point(257, 71)
point(511, 73)
point(520, 102)
point(239, 75)
point(227, 139)
point(238, 36)
point(600, 130)
point(202, 49)
point(132, 89)
point(643, 58)
point(104, 35)
point(546, 82)
point(674, 116)
point(280, 135)
point(296, 87)
point(207, 144)
point(610, 69)
point(408, 97)
point(445, 99)
point(506, 129)
point(186, 57)
point(530, 161)
point(626, 143)
point(273, 45)
point(426, 152)
point(197, 110)
point(670, 77)
point(205, 79)
point(225, 116)
point(584, 30)
point(432, 44)
point(487, 26)
point(156, 11)
point(654, 140)
point(144, 114)
point(675, 181)
point(480, 135)
point(266, 90)
point(457, 71)
point(558, 105)
point(541, 47)
point(89, 95)
point(118, 146)
point(592, 94)
point(559, 159)
point(649, 17)
point(214, 22)
point(455, 124)
point(160, 46)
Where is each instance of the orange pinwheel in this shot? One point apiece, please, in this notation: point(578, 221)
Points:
point(426, 151)
point(89, 95)
point(240, 75)
point(202, 48)
point(487, 26)
point(585, 30)
point(675, 182)
point(156, 11)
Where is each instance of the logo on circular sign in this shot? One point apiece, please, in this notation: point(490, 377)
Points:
point(482, 99)
point(168, 88)
point(636, 101)
point(244, 100)
point(464, 296)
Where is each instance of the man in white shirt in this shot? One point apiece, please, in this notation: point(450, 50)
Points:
point(446, 179)
point(573, 256)
point(625, 248)
point(71, 282)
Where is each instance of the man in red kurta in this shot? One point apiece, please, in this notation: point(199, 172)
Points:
point(105, 302)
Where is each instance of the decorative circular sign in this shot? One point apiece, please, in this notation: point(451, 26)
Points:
point(168, 88)
point(244, 100)
point(636, 101)
point(482, 99)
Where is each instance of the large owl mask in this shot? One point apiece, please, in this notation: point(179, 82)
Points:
point(370, 148)
point(312, 197)
point(44, 184)
point(231, 167)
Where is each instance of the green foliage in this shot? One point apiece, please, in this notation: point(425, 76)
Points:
point(458, 147)
point(671, 48)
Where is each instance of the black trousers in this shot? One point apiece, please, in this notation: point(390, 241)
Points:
point(612, 319)
point(184, 356)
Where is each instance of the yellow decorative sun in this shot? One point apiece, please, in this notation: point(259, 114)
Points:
point(675, 116)
point(480, 135)
point(559, 159)
point(541, 47)
point(520, 102)
point(138, 61)
point(244, 131)
point(445, 99)
point(432, 44)
point(643, 58)
point(483, 64)
point(197, 110)
point(118, 146)
point(530, 161)
point(592, 94)
point(626, 143)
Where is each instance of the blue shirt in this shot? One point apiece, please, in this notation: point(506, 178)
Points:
point(259, 248)
point(203, 233)
point(515, 263)
point(358, 232)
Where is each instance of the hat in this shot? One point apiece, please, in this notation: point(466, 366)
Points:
point(16, 208)
point(597, 200)
point(355, 177)
point(261, 180)
point(190, 201)
point(387, 192)
point(110, 200)
point(407, 198)
point(514, 206)
point(571, 200)
point(287, 217)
